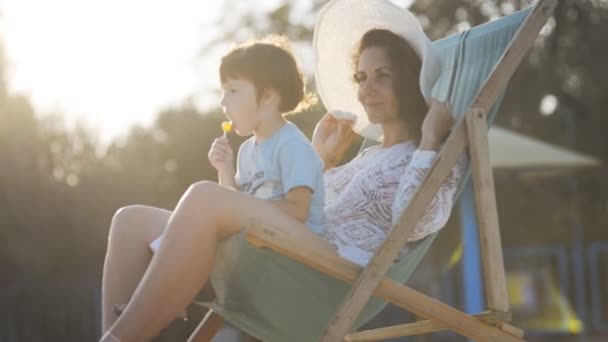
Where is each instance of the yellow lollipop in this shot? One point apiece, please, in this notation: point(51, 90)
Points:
point(227, 126)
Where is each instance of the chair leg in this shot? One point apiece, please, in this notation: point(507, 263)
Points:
point(207, 328)
point(486, 212)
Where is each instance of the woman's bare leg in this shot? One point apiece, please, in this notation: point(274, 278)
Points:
point(206, 214)
point(128, 254)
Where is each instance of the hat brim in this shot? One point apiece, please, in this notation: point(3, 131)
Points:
point(339, 27)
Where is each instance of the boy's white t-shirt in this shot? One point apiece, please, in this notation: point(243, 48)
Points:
point(283, 161)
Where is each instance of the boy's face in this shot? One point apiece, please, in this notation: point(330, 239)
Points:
point(240, 104)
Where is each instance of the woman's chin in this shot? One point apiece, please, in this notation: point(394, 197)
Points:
point(374, 118)
point(380, 117)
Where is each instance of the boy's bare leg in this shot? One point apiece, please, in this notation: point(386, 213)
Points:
point(128, 255)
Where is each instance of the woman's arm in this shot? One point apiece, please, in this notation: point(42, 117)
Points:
point(436, 125)
point(435, 129)
point(438, 212)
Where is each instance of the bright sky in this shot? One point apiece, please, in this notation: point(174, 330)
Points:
point(111, 62)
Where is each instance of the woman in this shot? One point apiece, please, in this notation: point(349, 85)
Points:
point(390, 90)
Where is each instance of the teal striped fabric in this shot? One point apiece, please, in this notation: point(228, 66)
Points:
point(274, 298)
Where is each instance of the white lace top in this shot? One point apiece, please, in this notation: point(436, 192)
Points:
point(365, 198)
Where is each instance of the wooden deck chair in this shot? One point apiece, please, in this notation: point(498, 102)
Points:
point(477, 66)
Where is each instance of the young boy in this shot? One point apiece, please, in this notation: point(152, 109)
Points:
point(261, 83)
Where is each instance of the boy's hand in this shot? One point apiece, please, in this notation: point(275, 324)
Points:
point(221, 157)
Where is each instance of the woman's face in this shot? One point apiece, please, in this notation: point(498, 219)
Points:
point(376, 86)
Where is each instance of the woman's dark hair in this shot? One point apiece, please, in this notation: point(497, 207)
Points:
point(269, 63)
point(406, 66)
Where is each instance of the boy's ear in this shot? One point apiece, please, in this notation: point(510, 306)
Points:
point(270, 96)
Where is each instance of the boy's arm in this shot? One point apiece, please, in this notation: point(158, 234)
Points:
point(296, 203)
point(221, 158)
point(227, 179)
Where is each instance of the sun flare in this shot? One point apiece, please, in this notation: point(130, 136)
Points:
point(111, 63)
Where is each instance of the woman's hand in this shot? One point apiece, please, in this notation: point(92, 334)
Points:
point(221, 157)
point(331, 138)
point(436, 125)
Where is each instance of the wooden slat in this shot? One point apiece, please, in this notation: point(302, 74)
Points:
point(356, 299)
point(486, 212)
point(209, 326)
point(322, 257)
point(511, 329)
point(417, 328)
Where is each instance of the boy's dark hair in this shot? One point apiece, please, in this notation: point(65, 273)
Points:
point(406, 66)
point(269, 63)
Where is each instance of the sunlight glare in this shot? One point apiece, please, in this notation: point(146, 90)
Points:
point(110, 62)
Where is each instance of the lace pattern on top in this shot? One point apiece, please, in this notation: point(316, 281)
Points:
point(365, 198)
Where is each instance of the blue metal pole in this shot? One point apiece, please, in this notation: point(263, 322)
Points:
point(472, 280)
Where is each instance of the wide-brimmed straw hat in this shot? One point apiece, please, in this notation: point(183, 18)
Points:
point(339, 27)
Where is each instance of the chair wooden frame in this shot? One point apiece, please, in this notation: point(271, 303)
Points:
point(471, 131)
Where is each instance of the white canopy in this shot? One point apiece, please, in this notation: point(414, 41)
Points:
point(509, 150)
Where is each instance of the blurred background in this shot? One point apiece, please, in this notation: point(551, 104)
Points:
point(105, 104)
